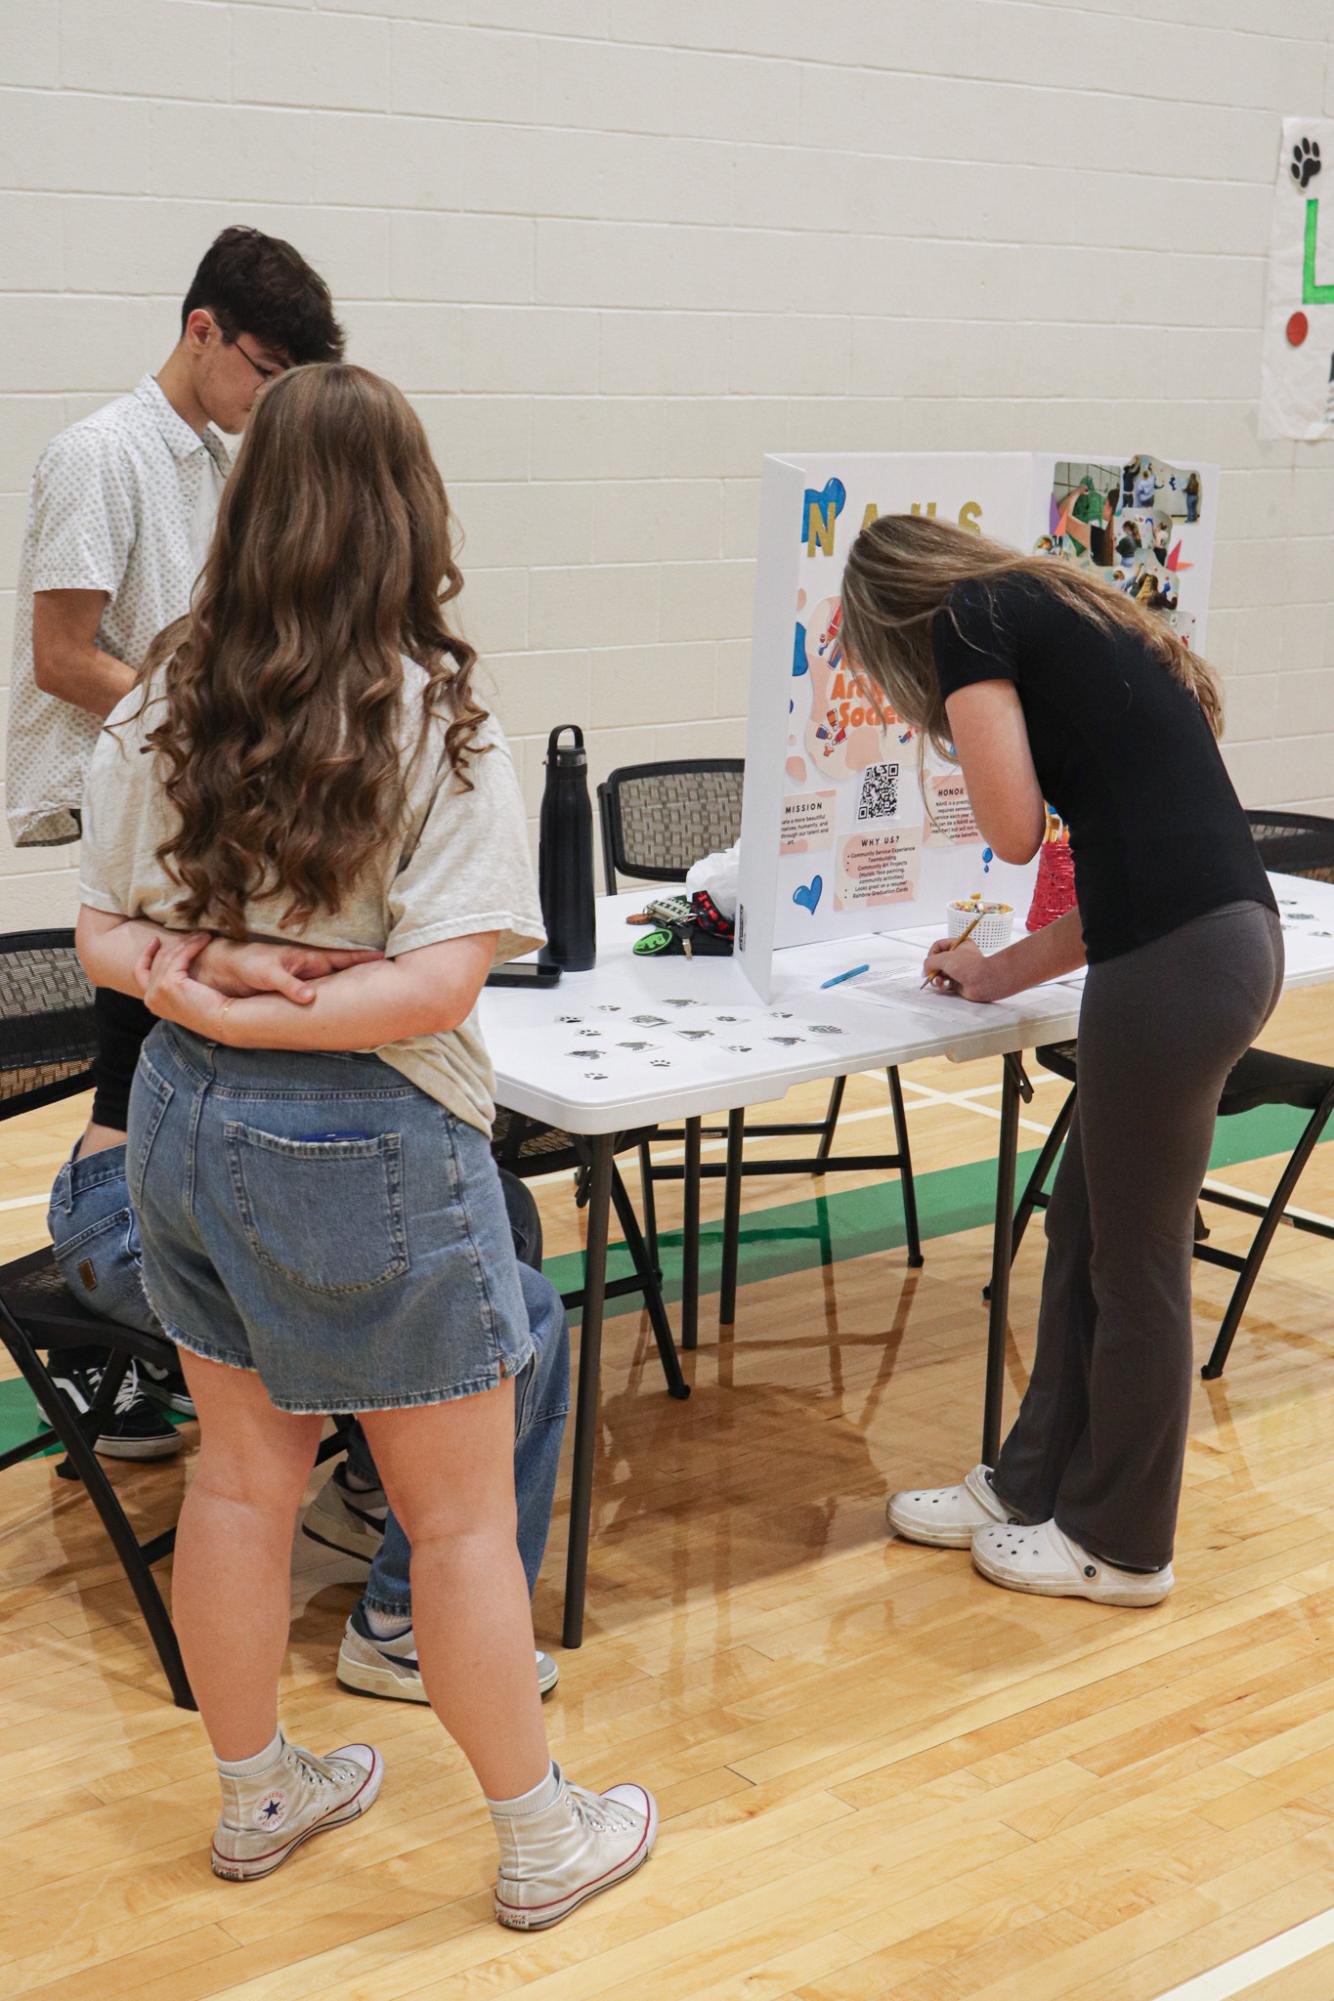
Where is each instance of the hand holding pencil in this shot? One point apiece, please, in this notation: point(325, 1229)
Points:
point(949, 945)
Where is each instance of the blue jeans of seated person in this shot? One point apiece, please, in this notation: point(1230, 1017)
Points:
point(96, 1241)
point(541, 1405)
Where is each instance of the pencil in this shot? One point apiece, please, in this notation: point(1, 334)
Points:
point(962, 939)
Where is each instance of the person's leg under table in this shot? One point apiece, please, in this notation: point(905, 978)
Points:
point(541, 1405)
point(1159, 1030)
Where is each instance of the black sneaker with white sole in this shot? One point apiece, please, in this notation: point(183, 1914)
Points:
point(136, 1428)
point(167, 1386)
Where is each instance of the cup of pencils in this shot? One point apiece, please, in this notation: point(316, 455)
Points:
point(988, 925)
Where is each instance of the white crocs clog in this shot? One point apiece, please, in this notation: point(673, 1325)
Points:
point(947, 1517)
point(1049, 1564)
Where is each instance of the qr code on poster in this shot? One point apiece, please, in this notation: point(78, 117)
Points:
point(879, 798)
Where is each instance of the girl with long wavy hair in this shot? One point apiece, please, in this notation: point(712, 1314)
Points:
point(1047, 685)
point(322, 1221)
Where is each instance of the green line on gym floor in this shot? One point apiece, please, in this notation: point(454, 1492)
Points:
point(854, 1222)
point(826, 1229)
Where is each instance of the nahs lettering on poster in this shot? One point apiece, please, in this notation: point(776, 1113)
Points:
point(822, 511)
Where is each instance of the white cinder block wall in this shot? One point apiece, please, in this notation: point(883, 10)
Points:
point(617, 249)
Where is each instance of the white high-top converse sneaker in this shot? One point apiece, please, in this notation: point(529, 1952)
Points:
point(554, 1858)
point(266, 1816)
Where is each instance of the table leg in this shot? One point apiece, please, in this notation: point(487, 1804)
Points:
point(1013, 1082)
point(587, 1407)
point(736, 1132)
point(690, 1237)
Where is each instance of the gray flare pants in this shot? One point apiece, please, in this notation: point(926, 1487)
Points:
point(1100, 1439)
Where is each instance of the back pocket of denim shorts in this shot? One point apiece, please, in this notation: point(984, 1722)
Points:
point(327, 1214)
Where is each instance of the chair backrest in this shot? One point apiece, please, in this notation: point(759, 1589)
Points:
point(658, 820)
point(1295, 843)
point(48, 1036)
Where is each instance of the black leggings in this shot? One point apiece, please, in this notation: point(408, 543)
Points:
point(1100, 1439)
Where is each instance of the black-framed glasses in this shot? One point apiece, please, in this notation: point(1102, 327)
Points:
point(264, 374)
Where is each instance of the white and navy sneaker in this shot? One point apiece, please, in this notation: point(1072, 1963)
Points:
point(388, 1667)
point(136, 1428)
point(347, 1518)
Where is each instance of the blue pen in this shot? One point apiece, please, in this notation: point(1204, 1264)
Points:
point(839, 978)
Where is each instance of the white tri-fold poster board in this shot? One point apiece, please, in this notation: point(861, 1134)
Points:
point(840, 834)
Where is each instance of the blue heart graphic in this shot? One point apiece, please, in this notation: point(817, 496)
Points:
point(807, 894)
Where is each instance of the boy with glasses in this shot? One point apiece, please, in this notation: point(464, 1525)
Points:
point(121, 514)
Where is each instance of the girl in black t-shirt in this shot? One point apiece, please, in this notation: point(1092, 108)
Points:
point(1047, 685)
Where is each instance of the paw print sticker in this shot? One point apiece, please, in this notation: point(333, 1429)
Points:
point(1305, 161)
point(660, 1063)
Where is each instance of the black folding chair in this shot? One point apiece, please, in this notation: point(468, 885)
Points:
point(1293, 844)
point(47, 1042)
point(657, 821)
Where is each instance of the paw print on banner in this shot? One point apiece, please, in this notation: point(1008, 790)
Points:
point(1305, 161)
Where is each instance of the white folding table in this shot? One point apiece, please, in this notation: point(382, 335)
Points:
point(643, 1041)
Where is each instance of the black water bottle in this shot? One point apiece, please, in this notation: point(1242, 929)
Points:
point(565, 856)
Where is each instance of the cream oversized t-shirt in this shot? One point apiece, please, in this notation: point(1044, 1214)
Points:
point(464, 867)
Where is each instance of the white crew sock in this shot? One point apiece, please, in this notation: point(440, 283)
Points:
point(250, 1768)
point(386, 1625)
point(542, 1796)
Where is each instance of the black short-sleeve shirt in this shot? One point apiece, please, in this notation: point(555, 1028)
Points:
point(1123, 752)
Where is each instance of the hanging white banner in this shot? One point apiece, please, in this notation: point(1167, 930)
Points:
point(1297, 362)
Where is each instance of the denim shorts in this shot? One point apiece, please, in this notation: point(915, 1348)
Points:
point(318, 1219)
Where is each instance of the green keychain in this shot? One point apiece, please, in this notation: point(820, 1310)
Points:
point(654, 942)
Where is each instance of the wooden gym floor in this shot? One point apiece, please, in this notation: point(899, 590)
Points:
point(879, 1776)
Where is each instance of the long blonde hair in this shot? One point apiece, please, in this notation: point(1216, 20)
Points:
point(281, 746)
point(899, 574)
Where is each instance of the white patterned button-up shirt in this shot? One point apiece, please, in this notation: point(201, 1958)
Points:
point(122, 502)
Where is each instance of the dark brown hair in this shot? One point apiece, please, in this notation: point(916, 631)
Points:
point(257, 284)
point(899, 574)
point(281, 746)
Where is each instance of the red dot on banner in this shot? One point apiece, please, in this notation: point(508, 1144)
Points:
point(1298, 328)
